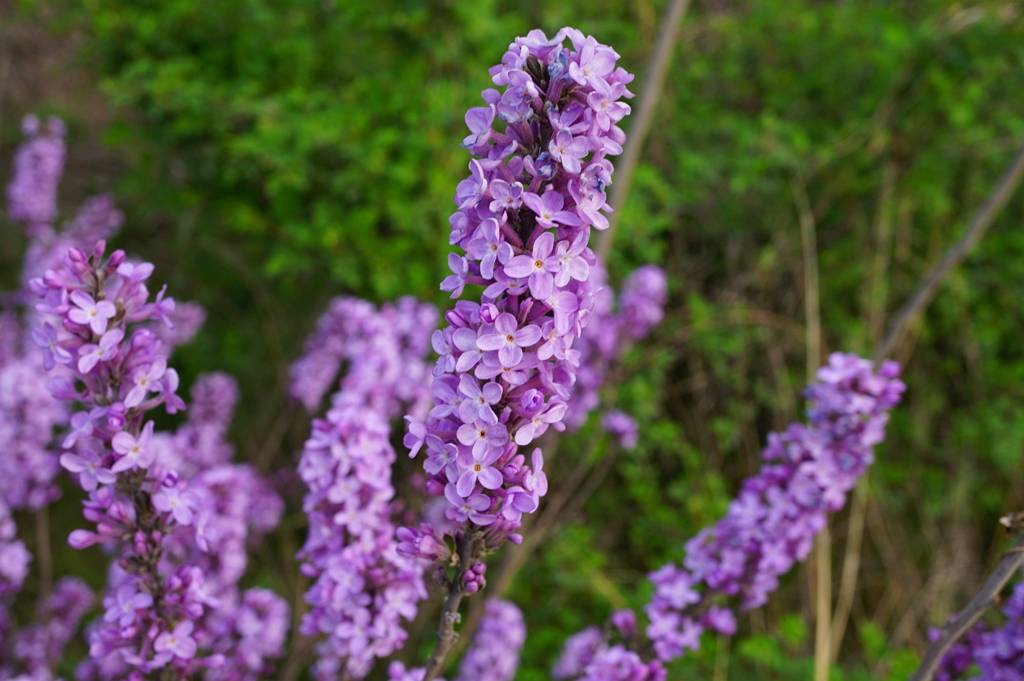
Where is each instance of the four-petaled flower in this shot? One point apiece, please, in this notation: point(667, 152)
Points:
point(180, 504)
point(89, 474)
point(482, 436)
point(479, 401)
point(508, 339)
point(478, 467)
point(548, 209)
point(145, 379)
point(91, 313)
point(177, 642)
point(46, 338)
point(89, 355)
point(569, 151)
point(538, 266)
point(135, 451)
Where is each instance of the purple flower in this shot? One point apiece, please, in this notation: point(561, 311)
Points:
point(90, 475)
point(508, 339)
point(569, 151)
point(456, 281)
point(494, 652)
point(482, 437)
point(506, 361)
point(571, 263)
point(178, 642)
point(488, 247)
point(46, 338)
point(180, 504)
point(127, 601)
point(89, 355)
point(91, 313)
point(478, 120)
point(505, 196)
point(480, 400)
point(134, 450)
point(548, 209)
point(144, 380)
point(539, 422)
point(38, 165)
point(478, 468)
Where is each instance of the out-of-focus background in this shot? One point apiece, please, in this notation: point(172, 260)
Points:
point(270, 154)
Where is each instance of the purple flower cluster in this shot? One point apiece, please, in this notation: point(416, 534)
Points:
point(389, 342)
point(591, 656)
point(771, 525)
point(607, 337)
point(29, 417)
point(506, 364)
point(38, 164)
point(172, 524)
point(37, 649)
point(996, 652)
point(494, 654)
point(364, 589)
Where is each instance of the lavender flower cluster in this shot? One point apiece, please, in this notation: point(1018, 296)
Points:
point(494, 654)
point(363, 589)
point(996, 653)
point(36, 649)
point(506, 364)
point(607, 337)
point(38, 165)
point(591, 655)
point(167, 604)
point(771, 525)
point(29, 415)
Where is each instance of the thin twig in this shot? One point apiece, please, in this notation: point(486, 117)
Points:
point(977, 227)
point(877, 292)
point(643, 116)
point(43, 552)
point(470, 549)
point(812, 324)
point(987, 596)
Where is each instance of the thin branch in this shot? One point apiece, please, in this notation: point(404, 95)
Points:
point(470, 549)
point(987, 596)
point(877, 292)
point(654, 81)
point(43, 552)
point(977, 227)
point(812, 324)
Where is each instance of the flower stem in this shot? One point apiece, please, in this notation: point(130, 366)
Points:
point(470, 548)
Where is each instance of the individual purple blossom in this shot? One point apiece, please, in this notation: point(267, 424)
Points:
point(90, 312)
point(178, 642)
point(537, 266)
point(494, 652)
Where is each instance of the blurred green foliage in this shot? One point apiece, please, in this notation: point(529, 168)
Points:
point(275, 153)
